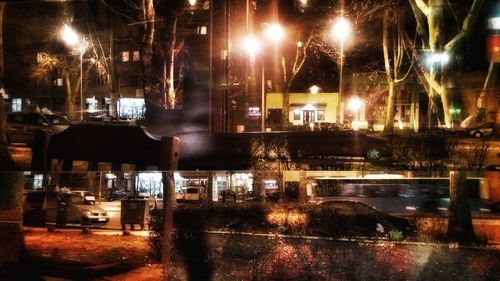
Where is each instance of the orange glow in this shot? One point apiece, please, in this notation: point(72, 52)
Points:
point(286, 217)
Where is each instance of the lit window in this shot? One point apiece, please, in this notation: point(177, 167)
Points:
point(125, 56)
point(202, 30)
point(136, 56)
point(16, 105)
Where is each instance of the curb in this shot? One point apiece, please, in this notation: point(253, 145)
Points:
point(361, 240)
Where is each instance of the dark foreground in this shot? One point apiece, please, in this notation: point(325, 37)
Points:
point(69, 254)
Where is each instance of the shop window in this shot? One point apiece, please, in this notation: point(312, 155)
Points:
point(131, 108)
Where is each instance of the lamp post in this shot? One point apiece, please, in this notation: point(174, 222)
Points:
point(275, 33)
point(341, 31)
point(76, 42)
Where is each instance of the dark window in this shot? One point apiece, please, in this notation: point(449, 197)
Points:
point(192, 190)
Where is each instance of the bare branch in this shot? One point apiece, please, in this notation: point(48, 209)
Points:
point(466, 30)
point(423, 7)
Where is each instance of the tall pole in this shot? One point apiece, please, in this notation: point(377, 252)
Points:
point(263, 100)
point(81, 83)
point(341, 86)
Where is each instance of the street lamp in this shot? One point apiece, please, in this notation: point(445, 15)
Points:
point(314, 89)
point(341, 31)
point(78, 43)
point(252, 46)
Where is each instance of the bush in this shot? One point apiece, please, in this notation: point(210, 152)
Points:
point(291, 219)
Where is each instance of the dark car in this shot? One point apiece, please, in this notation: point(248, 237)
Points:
point(117, 194)
point(23, 126)
point(358, 218)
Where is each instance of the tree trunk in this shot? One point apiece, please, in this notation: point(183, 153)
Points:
point(389, 115)
point(148, 16)
point(6, 162)
point(169, 205)
point(11, 198)
point(460, 227)
point(171, 80)
point(285, 114)
point(70, 97)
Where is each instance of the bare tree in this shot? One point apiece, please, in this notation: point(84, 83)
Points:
point(68, 69)
point(392, 39)
point(432, 29)
point(290, 66)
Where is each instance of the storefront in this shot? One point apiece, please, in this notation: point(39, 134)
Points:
point(305, 108)
point(131, 108)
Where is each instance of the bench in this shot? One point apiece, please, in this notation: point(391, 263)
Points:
point(95, 143)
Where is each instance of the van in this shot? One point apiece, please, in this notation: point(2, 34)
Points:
point(192, 193)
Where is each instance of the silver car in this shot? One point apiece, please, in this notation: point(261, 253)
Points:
point(54, 206)
point(23, 126)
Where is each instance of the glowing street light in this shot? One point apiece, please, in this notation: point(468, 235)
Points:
point(192, 2)
point(251, 46)
point(442, 58)
point(76, 42)
point(274, 32)
point(314, 89)
point(69, 36)
point(355, 104)
point(341, 31)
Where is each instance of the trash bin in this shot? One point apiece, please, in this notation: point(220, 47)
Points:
point(134, 211)
point(35, 217)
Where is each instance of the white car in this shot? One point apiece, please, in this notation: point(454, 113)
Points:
point(54, 206)
point(481, 130)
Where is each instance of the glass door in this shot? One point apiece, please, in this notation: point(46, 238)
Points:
point(307, 116)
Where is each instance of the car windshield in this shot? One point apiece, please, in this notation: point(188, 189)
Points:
point(74, 199)
point(57, 119)
point(192, 190)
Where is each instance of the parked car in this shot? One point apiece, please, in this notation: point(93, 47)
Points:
point(23, 126)
point(481, 130)
point(193, 193)
point(117, 194)
point(270, 196)
point(54, 206)
point(360, 218)
point(87, 196)
point(84, 211)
